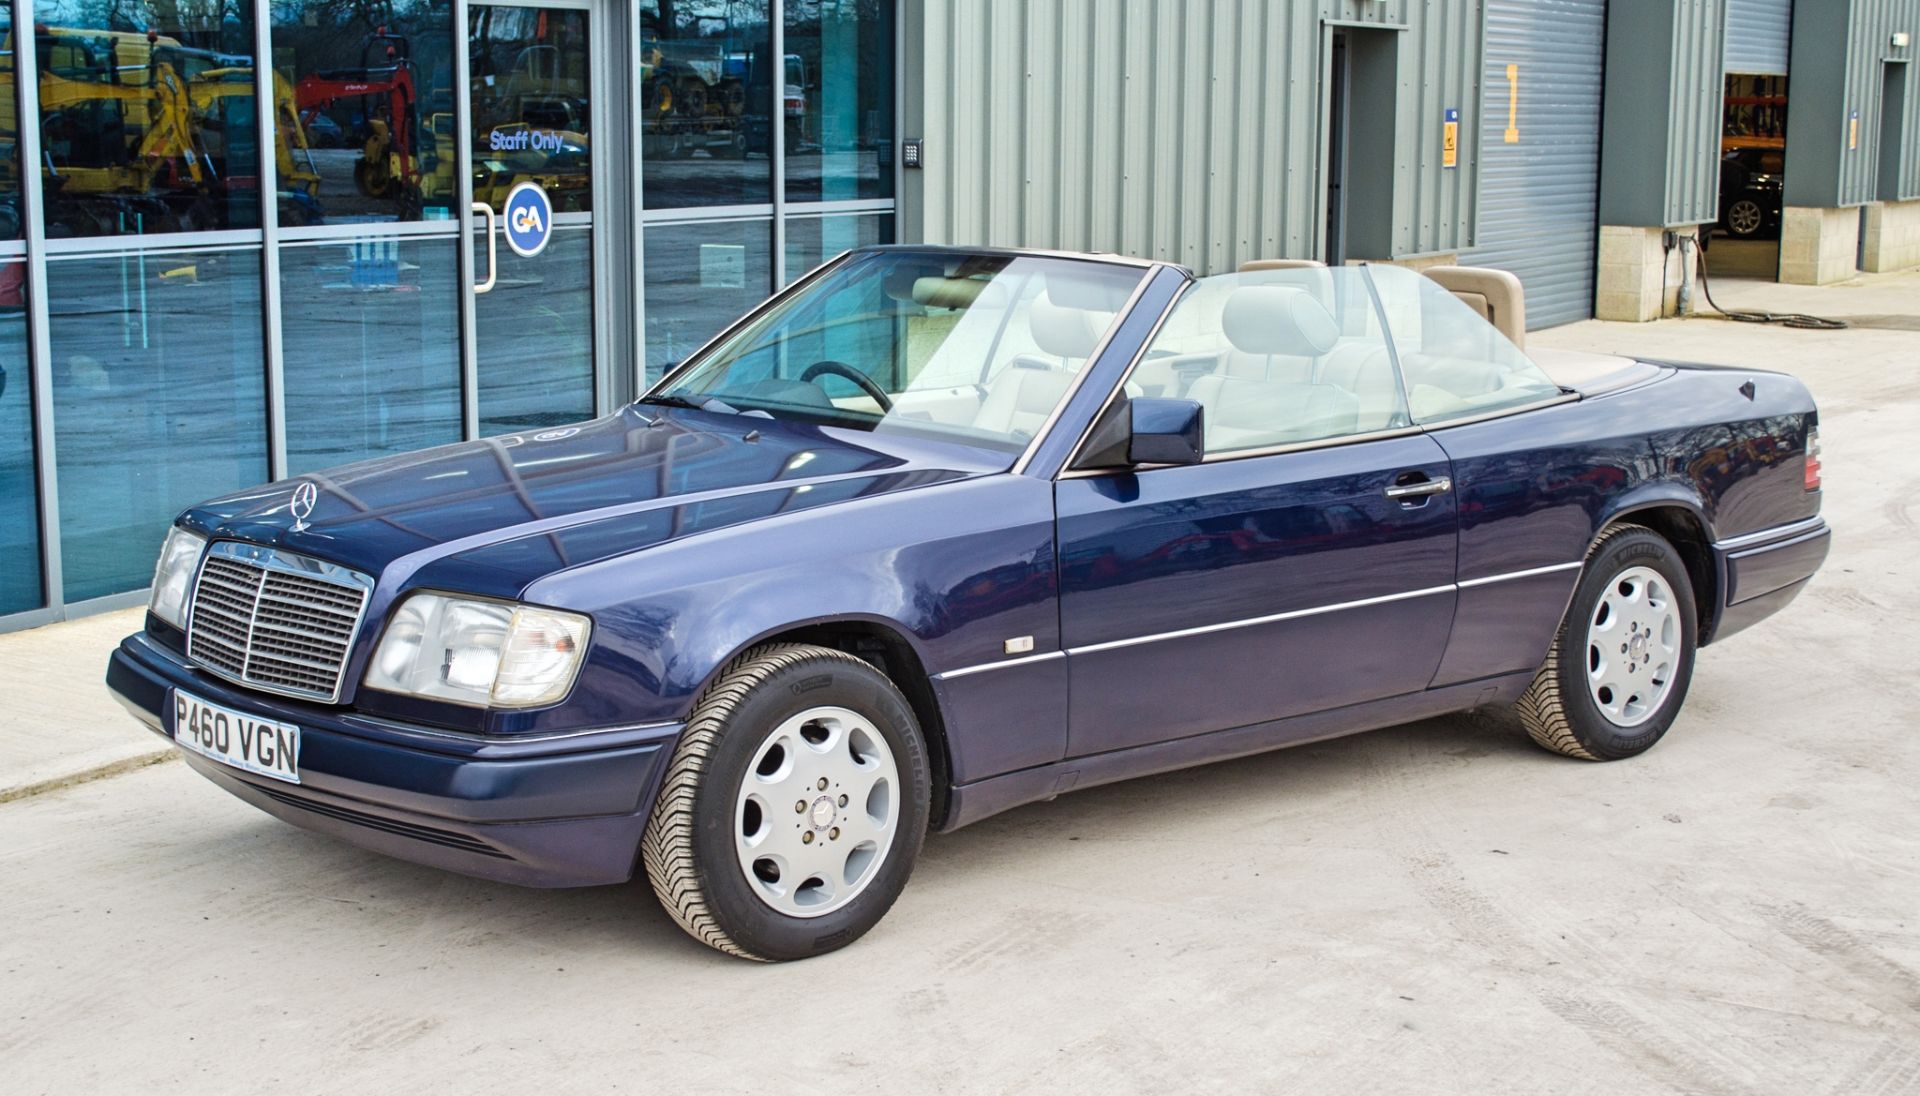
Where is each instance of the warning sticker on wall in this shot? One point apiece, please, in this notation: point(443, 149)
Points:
point(1512, 136)
point(1450, 140)
point(1853, 129)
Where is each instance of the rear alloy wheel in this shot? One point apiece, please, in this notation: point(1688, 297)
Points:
point(793, 808)
point(1745, 218)
point(1619, 668)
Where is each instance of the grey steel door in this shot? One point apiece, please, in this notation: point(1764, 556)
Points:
point(1757, 36)
point(1540, 152)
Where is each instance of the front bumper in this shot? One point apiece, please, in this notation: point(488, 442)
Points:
point(557, 811)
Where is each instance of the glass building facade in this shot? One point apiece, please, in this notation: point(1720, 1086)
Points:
point(241, 241)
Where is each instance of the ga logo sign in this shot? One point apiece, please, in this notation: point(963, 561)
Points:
point(529, 217)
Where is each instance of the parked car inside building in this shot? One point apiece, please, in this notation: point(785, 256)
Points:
point(1752, 181)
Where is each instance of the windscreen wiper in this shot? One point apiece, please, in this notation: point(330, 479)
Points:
point(691, 405)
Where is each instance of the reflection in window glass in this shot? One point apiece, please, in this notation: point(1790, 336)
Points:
point(838, 101)
point(813, 240)
point(1455, 363)
point(20, 586)
point(905, 341)
point(370, 330)
point(699, 279)
point(528, 67)
point(363, 100)
point(534, 335)
point(707, 93)
point(159, 401)
point(147, 117)
point(10, 226)
point(1277, 357)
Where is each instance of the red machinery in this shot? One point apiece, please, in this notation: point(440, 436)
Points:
point(387, 166)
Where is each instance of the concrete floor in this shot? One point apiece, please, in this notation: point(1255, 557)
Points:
point(1435, 908)
point(1731, 258)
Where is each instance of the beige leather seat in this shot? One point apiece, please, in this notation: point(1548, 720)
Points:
point(1252, 412)
point(1365, 370)
point(1024, 393)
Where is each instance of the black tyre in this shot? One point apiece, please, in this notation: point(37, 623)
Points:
point(793, 807)
point(1619, 668)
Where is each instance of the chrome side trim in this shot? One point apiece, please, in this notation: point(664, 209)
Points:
point(1270, 619)
point(1777, 532)
point(1273, 618)
point(1001, 665)
point(1080, 378)
point(1529, 573)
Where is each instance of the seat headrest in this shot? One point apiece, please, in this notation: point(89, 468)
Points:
point(956, 292)
point(1095, 294)
point(1065, 332)
point(1278, 319)
point(1496, 294)
point(1253, 265)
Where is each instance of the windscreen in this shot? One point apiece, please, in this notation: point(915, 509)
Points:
point(978, 348)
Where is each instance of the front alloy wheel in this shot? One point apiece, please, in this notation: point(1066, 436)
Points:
point(817, 811)
point(793, 807)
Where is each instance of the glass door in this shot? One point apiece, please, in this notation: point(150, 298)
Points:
point(533, 115)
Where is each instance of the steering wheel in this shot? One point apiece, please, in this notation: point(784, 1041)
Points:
point(842, 369)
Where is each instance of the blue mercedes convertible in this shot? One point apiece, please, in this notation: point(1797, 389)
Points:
point(937, 532)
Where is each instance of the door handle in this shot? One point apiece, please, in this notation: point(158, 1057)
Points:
point(1439, 486)
point(492, 254)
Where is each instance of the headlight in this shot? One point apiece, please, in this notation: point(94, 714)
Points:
point(173, 574)
point(479, 652)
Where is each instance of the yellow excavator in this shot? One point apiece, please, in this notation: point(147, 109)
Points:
point(299, 182)
point(120, 145)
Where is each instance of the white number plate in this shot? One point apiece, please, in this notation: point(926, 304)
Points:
point(259, 746)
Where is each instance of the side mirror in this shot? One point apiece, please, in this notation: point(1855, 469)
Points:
point(1147, 430)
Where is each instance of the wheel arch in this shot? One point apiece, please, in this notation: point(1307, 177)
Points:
point(1682, 524)
point(889, 648)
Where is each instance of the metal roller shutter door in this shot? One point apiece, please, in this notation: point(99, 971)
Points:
point(1757, 36)
point(1540, 195)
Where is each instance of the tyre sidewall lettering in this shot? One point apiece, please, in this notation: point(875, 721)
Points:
point(783, 694)
point(1598, 734)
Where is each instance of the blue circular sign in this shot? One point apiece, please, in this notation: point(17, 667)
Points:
point(529, 217)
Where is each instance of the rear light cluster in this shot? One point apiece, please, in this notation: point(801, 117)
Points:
point(1813, 458)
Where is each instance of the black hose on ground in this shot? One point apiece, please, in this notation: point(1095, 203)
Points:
point(1743, 315)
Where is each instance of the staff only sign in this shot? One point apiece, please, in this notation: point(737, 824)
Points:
point(529, 217)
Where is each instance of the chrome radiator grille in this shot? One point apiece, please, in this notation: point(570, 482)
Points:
point(275, 621)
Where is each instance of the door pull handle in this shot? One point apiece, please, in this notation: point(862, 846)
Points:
point(1438, 486)
point(492, 254)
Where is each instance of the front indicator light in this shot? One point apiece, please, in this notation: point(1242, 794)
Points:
point(479, 652)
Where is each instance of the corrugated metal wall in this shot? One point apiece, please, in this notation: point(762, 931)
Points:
point(1757, 36)
point(1873, 25)
point(1697, 92)
point(1839, 55)
point(1180, 129)
point(1540, 192)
